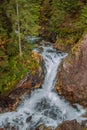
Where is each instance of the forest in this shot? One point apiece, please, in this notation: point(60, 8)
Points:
point(43, 64)
point(57, 21)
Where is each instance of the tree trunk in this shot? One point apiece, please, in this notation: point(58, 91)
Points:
point(18, 22)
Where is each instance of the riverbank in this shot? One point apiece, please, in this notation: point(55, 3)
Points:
point(32, 80)
point(43, 105)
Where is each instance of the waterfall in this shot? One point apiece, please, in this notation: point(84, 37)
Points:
point(43, 106)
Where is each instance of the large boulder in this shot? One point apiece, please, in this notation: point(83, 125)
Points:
point(72, 74)
point(70, 125)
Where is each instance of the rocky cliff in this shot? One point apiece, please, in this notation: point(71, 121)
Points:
point(72, 74)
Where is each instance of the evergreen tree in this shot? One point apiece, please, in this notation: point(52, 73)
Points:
point(24, 16)
point(45, 18)
point(57, 16)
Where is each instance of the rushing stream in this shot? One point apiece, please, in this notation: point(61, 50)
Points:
point(43, 106)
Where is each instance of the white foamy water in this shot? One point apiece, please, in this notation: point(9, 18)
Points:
point(43, 106)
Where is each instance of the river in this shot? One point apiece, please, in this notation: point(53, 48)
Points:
point(43, 105)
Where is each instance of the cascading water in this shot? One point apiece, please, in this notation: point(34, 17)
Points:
point(42, 106)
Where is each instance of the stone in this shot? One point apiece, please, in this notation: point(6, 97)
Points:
point(69, 125)
point(43, 127)
point(72, 74)
point(29, 119)
point(84, 123)
point(48, 128)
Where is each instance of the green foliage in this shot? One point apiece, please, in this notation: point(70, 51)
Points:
point(28, 16)
point(71, 6)
point(45, 18)
point(64, 21)
point(14, 69)
point(5, 23)
point(57, 16)
point(84, 16)
point(61, 19)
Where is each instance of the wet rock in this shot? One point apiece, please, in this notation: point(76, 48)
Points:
point(69, 125)
point(85, 114)
point(72, 74)
point(7, 126)
point(48, 128)
point(43, 127)
point(46, 43)
point(43, 104)
point(28, 119)
point(84, 123)
point(10, 128)
point(14, 128)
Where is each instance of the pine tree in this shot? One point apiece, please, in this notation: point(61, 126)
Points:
point(24, 16)
point(19, 31)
